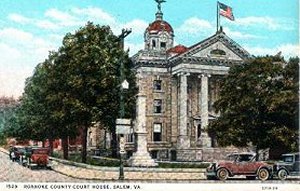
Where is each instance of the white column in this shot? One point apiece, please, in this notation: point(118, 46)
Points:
point(204, 101)
point(141, 157)
point(183, 141)
point(204, 138)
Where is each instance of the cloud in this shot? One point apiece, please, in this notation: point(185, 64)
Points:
point(195, 26)
point(240, 35)
point(138, 26)
point(95, 14)
point(20, 51)
point(13, 71)
point(18, 18)
point(265, 22)
point(45, 24)
point(133, 47)
point(12, 34)
point(59, 15)
point(288, 50)
point(63, 19)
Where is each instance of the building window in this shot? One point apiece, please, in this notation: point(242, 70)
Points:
point(218, 52)
point(154, 154)
point(157, 84)
point(163, 45)
point(199, 130)
point(153, 43)
point(157, 129)
point(157, 106)
point(130, 136)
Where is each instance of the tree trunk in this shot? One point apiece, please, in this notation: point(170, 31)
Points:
point(84, 143)
point(257, 153)
point(65, 145)
point(43, 143)
point(114, 144)
point(50, 146)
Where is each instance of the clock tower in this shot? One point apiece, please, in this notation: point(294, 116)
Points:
point(159, 34)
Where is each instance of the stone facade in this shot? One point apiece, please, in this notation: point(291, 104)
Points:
point(180, 85)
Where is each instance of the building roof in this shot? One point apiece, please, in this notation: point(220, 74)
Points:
point(179, 49)
point(158, 26)
point(221, 37)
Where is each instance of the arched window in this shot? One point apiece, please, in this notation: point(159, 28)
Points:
point(218, 52)
point(153, 43)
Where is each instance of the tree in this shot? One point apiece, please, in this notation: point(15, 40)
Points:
point(258, 104)
point(8, 107)
point(92, 78)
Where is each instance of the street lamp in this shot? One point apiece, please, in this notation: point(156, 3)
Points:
point(122, 124)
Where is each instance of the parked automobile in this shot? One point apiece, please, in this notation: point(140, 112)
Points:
point(239, 164)
point(25, 155)
point(36, 156)
point(288, 166)
point(15, 152)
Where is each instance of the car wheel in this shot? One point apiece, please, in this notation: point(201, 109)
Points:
point(282, 174)
point(250, 177)
point(263, 174)
point(222, 174)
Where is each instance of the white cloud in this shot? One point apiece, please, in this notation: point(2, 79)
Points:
point(59, 15)
point(45, 24)
point(13, 35)
point(133, 47)
point(195, 26)
point(265, 22)
point(288, 50)
point(20, 52)
point(240, 35)
point(18, 18)
point(138, 26)
point(95, 14)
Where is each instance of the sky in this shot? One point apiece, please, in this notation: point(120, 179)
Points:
point(29, 29)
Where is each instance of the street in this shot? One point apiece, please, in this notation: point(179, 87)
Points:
point(13, 172)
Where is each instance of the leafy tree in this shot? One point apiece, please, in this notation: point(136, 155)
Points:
point(8, 106)
point(258, 104)
point(92, 78)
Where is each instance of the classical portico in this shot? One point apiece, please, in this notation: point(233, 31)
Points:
point(182, 69)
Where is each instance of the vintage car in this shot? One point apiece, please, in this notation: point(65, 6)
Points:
point(239, 164)
point(15, 152)
point(289, 166)
point(36, 156)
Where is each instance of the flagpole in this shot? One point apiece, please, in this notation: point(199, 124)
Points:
point(218, 16)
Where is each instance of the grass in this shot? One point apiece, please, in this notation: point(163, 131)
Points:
point(182, 165)
point(76, 157)
point(113, 162)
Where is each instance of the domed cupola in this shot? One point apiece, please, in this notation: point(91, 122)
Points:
point(159, 34)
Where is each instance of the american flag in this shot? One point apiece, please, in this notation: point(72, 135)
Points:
point(226, 11)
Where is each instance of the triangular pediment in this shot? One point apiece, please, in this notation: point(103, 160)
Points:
point(217, 46)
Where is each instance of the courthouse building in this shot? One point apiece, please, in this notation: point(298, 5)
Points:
point(180, 85)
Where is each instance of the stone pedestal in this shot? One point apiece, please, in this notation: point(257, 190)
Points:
point(204, 140)
point(141, 157)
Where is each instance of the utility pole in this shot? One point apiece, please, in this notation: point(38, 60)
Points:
point(120, 122)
